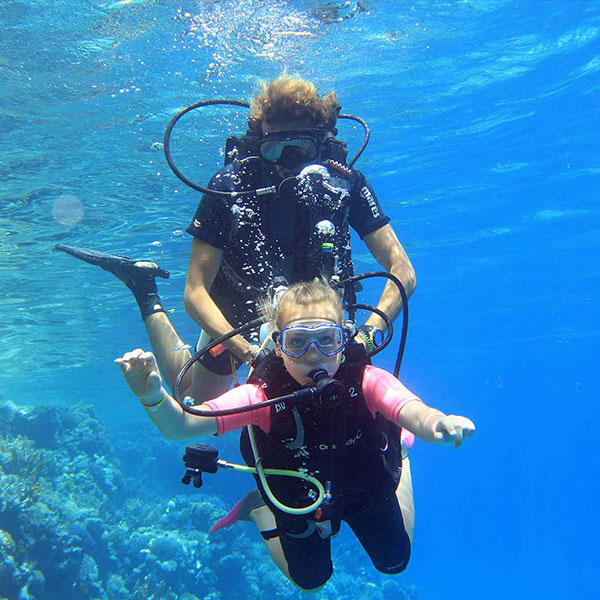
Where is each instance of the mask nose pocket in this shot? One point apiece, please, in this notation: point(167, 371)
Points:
point(293, 156)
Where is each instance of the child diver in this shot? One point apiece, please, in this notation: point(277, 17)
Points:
point(351, 443)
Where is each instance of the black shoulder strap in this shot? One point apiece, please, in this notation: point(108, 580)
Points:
point(267, 370)
point(333, 149)
point(356, 355)
point(240, 147)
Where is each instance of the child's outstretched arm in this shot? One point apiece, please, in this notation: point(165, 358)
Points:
point(434, 426)
point(143, 377)
point(386, 395)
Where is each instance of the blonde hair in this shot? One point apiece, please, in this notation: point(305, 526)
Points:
point(290, 98)
point(304, 294)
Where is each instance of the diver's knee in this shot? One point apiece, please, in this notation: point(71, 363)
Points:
point(312, 581)
point(393, 569)
point(307, 586)
point(396, 564)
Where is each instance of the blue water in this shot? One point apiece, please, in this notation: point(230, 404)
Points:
point(484, 151)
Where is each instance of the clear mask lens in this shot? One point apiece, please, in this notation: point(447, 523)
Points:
point(329, 339)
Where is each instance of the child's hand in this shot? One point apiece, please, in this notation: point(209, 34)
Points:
point(453, 430)
point(142, 375)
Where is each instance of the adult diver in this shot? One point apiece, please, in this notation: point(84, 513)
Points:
point(279, 209)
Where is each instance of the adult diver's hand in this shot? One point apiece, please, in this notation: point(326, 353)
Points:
point(142, 375)
point(251, 354)
point(453, 429)
point(361, 340)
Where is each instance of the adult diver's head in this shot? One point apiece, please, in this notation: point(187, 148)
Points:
point(288, 106)
point(289, 150)
point(291, 121)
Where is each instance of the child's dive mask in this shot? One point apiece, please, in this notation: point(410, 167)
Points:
point(328, 338)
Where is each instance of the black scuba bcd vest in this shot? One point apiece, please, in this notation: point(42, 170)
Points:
point(276, 235)
point(345, 445)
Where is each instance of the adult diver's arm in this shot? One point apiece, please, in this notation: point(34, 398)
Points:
point(389, 253)
point(205, 261)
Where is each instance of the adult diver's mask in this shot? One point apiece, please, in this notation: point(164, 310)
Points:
point(290, 150)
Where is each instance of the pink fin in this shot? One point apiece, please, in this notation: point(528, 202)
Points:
point(233, 516)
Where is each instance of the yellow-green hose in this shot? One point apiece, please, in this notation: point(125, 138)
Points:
point(262, 474)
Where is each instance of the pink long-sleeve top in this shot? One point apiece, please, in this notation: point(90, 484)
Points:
point(382, 392)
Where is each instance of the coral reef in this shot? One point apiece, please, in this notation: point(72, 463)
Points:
point(88, 513)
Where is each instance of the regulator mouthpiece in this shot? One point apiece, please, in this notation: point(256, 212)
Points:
point(325, 228)
point(319, 175)
point(329, 391)
point(314, 172)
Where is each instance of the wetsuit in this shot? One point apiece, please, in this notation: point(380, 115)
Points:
point(263, 237)
point(364, 466)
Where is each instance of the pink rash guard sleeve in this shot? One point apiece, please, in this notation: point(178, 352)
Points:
point(243, 395)
point(384, 394)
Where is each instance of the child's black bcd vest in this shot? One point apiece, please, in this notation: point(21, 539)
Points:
point(360, 455)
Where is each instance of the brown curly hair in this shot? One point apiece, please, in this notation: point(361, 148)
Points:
point(290, 98)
